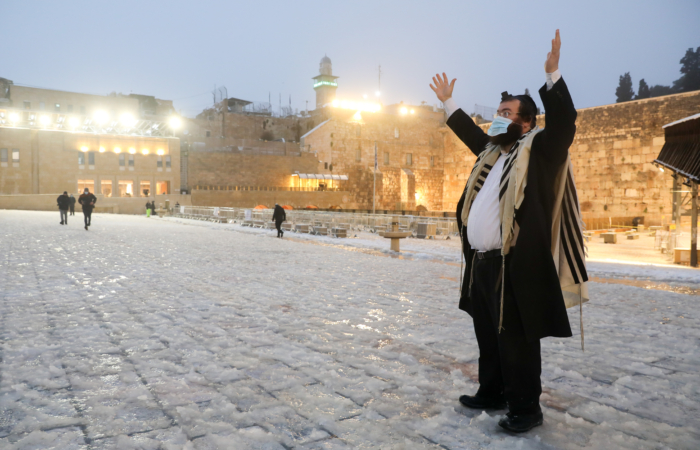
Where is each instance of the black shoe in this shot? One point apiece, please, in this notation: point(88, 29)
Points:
point(85, 227)
point(61, 223)
point(476, 402)
point(520, 423)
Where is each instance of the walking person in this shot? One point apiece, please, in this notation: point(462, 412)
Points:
point(72, 205)
point(279, 216)
point(148, 209)
point(64, 204)
point(520, 224)
point(87, 200)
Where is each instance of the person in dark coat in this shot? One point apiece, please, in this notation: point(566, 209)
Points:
point(149, 209)
point(72, 205)
point(63, 202)
point(279, 216)
point(512, 310)
point(87, 200)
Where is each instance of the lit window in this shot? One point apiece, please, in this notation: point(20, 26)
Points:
point(27, 105)
point(146, 188)
point(15, 155)
point(167, 162)
point(131, 160)
point(160, 162)
point(57, 107)
point(91, 158)
point(3, 155)
point(162, 187)
point(106, 186)
point(126, 188)
point(121, 160)
point(409, 159)
point(81, 158)
point(89, 184)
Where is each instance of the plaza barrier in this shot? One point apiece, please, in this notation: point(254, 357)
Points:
point(309, 220)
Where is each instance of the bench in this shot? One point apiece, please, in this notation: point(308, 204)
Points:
point(322, 231)
point(339, 232)
point(303, 228)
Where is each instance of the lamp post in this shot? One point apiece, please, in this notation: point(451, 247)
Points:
point(374, 194)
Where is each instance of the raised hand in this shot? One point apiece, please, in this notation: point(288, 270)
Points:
point(442, 88)
point(552, 62)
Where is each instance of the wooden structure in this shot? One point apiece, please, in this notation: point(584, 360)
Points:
point(681, 156)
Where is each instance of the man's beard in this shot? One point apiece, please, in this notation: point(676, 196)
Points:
point(515, 130)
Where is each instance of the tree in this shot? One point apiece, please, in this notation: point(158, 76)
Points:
point(659, 90)
point(690, 68)
point(643, 91)
point(624, 91)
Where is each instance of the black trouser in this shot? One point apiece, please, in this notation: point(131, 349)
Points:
point(88, 216)
point(72, 210)
point(509, 365)
point(64, 216)
point(278, 225)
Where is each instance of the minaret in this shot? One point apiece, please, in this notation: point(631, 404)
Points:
point(325, 84)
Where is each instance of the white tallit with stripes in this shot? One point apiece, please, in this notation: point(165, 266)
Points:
point(567, 247)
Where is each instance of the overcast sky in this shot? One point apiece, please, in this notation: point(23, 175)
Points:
point(181, 49)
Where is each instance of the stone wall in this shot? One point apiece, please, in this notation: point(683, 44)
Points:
point(232, 168)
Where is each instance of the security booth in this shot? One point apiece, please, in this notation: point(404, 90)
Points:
point(680, 155)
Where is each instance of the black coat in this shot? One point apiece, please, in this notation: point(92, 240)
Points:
point(63, 202)
point(88, 201)
point(531, 266)
point(279, 215)
point(72, 201)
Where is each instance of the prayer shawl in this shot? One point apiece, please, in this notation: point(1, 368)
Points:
point(567, 246)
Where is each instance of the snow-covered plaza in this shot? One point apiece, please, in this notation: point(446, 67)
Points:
point(178, 334)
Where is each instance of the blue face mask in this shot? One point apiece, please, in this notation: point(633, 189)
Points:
point(499, 126)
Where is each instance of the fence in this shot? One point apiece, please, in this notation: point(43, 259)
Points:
point(446, 226)
point(265, 188)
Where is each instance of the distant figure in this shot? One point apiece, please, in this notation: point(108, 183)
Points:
point(148, 209)
point(72, 205)
point(88, 201)
point(279, 216)
point(63, 204)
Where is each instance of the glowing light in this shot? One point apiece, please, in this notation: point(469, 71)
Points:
point(325, 83)
point(45, 120)
point(175, 123)
point(73, 122)
point(132, 150)
point(403, 110)
point(127, 120)
point(661, 169)
point(357, 106)
point(144, 151)
point(102, 149)
point(357, 116)
point(377, 93)
point(365, 96)
point(160, 152)
point(413, 111)
point(101, 117)
point(117, 150)
point(84, 149)
point(417, 196)
point(14, 117)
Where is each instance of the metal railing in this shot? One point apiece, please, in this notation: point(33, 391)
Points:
point(446, 226)
point(265, 188)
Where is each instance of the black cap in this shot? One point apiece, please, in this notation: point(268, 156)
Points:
point(65, 192)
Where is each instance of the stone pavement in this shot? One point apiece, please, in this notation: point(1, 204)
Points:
point(158, 335)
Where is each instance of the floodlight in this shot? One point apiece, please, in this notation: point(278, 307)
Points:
point(84, 148)
point(144, 151)
point(161, 152)
point(127, 120)
point(45, 120)
point(335, 103)
point(101, 117)
point(132, 150)
point(417, 196)
point(102, 149)
point(357, 116)
point(403, 110)
point(175, 123)
point(661, 169)
point(73, 122)
point(117, 150)
point(14, 117)
point(413, 111)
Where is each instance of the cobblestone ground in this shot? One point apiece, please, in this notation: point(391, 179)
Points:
point(149, 334)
